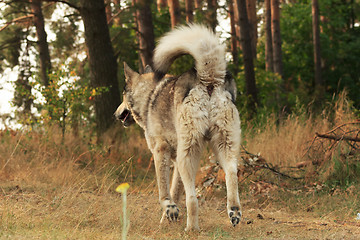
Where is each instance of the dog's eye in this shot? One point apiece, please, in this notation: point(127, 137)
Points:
point(124, 90)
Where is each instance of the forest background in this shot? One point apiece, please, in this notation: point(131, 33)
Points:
point(296, 64)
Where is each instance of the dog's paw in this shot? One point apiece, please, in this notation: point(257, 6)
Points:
point(172, 212)
point(235, 215)
point(192, 229)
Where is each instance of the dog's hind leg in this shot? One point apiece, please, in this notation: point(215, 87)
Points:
point(228, 162)
point(225, 142)
point(162, 167)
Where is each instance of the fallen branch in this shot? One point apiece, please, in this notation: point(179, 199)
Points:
point(255, 160)
point(342, 125)
point(338, 138)
point(266, 166)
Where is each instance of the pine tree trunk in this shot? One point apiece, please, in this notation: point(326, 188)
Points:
point(317, 55)
point(211, 13)
point(189, 8)
point(252, 16)
point(44, 55)
point(108, 12)
point(268, 35)
point(247, 55)
point(275, 28)
point(234, 48)
point(175, 14)
point(146, 32)
point(161, 4)
point(102, 62)
point(237, 26)
point(117, 9)
point(198, 4)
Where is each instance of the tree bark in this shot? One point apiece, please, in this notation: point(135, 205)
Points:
point(146, 32)
point(268, 43)
point(275, 29)
point(189, 8)
point(234, 47)
point(252, 16)
point(103, 65)
point(175, 14)
point(237, 26)
point(211, 13)
point(247, 55)
point(44, 54)
point(198, 4)
point(117, 9)
point(317, 55)
point(161, 4)
point(108, 12)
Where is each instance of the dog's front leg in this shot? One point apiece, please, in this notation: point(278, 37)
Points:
point(162, 167)
point(177, 188)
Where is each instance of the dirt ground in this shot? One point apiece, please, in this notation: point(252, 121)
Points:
point(267, 223)
point(39, 212)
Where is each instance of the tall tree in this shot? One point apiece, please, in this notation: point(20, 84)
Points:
point(161, 4)
point(108, 11)
point(117, 10)
point(175, 14)
point(198, 4)
point(252, 16)
point(145, 31)
point(237, 26)
point(44, 54)
point(268, 35)
point(234, 47)
point(251, 89)
point(211, 13)
point(103, 65)
point(276, 37)
point(189, 8)
point(319, 88)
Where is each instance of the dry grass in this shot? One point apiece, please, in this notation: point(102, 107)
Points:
point(51, 189)
point(290, 142)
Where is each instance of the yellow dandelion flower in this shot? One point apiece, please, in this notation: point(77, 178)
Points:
point(122, 188)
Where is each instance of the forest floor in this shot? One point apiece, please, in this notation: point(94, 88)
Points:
point(41, 211)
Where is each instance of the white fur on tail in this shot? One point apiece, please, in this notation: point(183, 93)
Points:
point(201, 43)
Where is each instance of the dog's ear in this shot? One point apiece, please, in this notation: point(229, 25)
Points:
point(129, 73)
point(148, 69)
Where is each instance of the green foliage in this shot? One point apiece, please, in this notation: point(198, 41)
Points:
point(340, 49)
point(65, 37)
point(269, 94)
point(345, 169)
point(12, 36)
point(66, 100)
point(10, 46)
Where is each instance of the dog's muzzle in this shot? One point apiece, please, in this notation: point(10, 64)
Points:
point(124, 115)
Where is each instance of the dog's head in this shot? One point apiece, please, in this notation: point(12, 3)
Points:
point(123, 113)
point(133, 95)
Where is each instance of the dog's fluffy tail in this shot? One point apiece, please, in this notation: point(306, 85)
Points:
point(198, 41)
